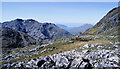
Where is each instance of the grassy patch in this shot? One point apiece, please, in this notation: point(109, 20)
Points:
point(94, 31)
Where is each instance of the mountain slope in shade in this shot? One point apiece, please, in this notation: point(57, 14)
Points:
point(39, 31)
point(108, 25)
point(15, 39)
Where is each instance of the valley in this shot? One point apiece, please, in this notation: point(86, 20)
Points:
point(29, 44)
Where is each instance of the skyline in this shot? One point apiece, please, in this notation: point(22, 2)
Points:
point(66, 13)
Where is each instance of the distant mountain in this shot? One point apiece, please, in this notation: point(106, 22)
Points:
point(82, 29)
point(64, 27)
point(15, 39)
point(39, 31)
point(75, 30)
point(108, 25)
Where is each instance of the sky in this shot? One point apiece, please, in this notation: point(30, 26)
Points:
point(66, 13)
point(60, 0)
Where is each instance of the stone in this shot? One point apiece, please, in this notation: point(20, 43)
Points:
point(114, 58)
point(92, 45)
point(39, 47)
point(33, 50)
point(40, 63)
point(100, 47)
point(96, 37)
point(111, 42)
point(95, 56)
point(71, 41)
point(86, 46)
point(44, 50)
point(85, 51)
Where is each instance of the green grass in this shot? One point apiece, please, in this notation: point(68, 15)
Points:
point(93, 31)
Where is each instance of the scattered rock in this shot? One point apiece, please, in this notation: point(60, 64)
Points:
point(71, 41)
point(44, 50)
point(86, 46)
point(40, 63)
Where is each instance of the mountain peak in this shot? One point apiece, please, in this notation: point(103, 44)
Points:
point(18, 19)
point(30, 20)
point(27, 20)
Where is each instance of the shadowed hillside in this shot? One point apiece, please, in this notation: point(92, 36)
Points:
point(15, 39)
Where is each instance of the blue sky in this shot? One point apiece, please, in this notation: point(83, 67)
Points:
point(67, 13)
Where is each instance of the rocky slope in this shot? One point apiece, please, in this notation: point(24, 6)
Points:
point(15, 39)
point(94, 55)
point(109, 24)
point(39, 31)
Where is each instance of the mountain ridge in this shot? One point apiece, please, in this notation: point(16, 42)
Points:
point(37, 30)
point(108, 25)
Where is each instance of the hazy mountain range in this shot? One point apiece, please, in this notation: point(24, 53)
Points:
point(75, 30)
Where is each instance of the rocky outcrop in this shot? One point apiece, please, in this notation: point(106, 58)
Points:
point(39, 31)
point(109, 24)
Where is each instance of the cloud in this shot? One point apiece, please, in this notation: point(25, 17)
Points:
point(60, 0)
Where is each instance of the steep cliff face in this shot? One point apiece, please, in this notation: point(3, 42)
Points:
point(15, 39)
point(108, 25)
point(39, 31)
